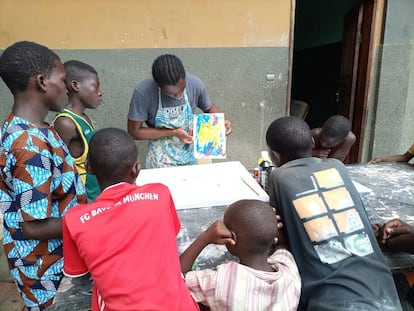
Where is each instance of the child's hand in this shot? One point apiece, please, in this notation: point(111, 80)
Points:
point(218, 233)
point(395, 227)
point(397, 235)
point(321, 153)
point(278, 219)
point(376, 160)
point(377, 228)
point(281, 240)
point(378, 232)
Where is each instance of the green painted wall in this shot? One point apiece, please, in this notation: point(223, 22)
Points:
point(394, 111)
point(230, 44)
point(235, 78)
point(320, 22)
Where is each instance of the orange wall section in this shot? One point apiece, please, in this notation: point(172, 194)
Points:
point(123, 24)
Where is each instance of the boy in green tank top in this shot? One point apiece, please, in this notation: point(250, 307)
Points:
point(73, 125)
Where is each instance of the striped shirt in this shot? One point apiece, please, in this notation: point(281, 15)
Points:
point(237, 287)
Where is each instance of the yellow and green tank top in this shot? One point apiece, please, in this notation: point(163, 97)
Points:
point(86, 131)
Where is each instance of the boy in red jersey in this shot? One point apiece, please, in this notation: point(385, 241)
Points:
point(126, 239)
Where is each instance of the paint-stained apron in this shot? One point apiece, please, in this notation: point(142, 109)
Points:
point(170, 150)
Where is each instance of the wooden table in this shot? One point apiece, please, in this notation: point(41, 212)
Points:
point(390, 195)
point(387, 190)
point(392, 190)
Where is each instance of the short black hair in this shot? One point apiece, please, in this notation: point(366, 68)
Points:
point(291, 137)
point(167, 69)
point(337, 127)
point(112, 154)
point(254, 223)
point(77, 70)
point(23, 60)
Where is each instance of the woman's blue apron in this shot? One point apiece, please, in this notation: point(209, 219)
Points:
point(170, 150)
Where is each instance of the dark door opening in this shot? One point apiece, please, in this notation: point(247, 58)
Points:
point(331, 61)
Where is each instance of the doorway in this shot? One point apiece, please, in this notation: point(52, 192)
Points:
point(332, 61)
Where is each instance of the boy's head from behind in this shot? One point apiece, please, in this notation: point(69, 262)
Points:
point(82, 81)
point(334, 131)
point(289, 138)
point(113, 157)
point(254, 227)
point(24, 60)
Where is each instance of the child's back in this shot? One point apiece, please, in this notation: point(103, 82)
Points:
point(126, 239)
point(341, 264)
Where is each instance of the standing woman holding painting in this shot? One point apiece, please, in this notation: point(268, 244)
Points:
point(161, 111)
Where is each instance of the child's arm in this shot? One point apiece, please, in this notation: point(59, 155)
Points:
point(317, 151)
point(37, 224)
point(216, 233)
point(68, 131)
point(395, 158)
point(342, 152)
point(140, 132)
point(44, 229)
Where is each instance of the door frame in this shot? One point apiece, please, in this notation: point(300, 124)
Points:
point(364, 80)
point(363, 77)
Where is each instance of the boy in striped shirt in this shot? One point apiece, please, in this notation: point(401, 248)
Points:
point(259, 282)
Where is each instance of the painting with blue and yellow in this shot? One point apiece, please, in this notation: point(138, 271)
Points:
point(209, 136)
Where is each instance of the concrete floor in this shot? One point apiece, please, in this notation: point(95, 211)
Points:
point(10, 299)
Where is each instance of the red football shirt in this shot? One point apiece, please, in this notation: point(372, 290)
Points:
point(126, 239)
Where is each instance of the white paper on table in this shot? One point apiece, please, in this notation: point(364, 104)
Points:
point(361, 188)
point(205, 185)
